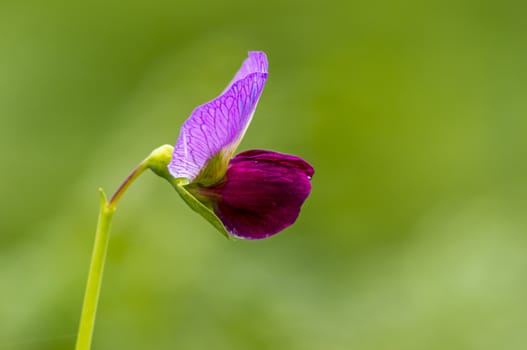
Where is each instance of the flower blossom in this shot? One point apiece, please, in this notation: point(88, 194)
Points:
point(254, 194)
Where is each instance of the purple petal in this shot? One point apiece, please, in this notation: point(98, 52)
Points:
point(256, 62)
point(262, 193)
point(219, 125)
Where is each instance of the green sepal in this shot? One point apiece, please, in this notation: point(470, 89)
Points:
point(158, 162)
point(198, 207)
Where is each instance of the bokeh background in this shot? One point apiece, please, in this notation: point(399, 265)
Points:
point(413, 114)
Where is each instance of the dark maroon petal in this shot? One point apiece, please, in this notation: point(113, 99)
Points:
point(262, 193)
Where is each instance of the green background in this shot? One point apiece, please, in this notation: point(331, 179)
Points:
point(412, 113)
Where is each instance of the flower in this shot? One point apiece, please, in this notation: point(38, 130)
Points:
point(256, 194)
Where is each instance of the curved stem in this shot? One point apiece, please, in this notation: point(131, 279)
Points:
point(127, 182)
point(100, 248)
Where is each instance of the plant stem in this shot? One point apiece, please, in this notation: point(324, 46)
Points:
point(127, 182)
point(99, 253)
point(93, 285)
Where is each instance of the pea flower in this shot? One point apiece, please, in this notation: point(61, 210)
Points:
point(252, 195)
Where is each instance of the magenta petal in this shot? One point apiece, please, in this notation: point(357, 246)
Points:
point(219, 125)
point(262, 193)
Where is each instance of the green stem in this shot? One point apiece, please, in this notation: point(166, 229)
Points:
point(100, 249)
point(93, 285)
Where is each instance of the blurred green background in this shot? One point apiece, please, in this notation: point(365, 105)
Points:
point(412, 113)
